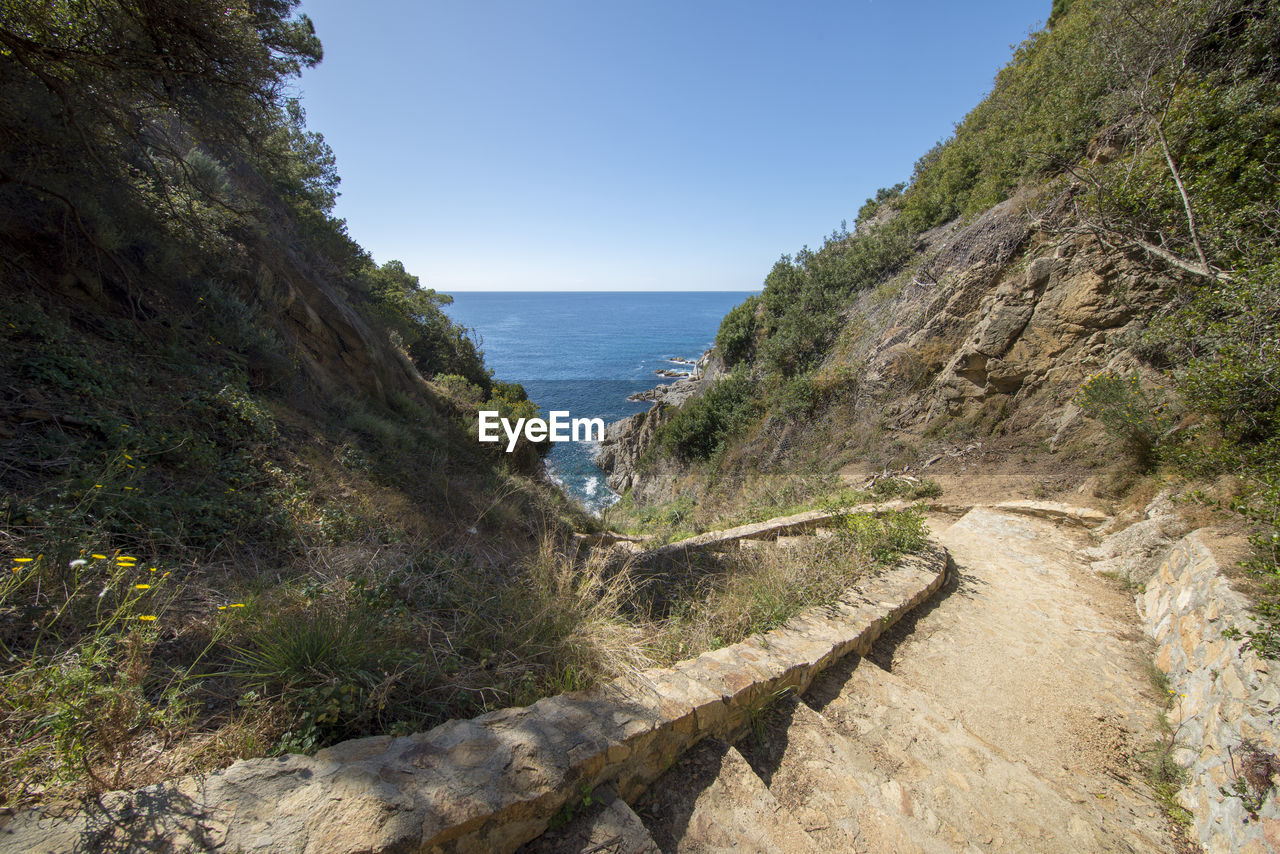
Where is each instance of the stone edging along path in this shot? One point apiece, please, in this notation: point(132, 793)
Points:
point(490, 783)
point(797, 523)
point(1228, 697)
point(800, 523)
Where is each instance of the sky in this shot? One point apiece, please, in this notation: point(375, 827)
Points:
point(642, 145)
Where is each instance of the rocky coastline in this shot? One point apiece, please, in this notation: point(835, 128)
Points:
point(627, 440)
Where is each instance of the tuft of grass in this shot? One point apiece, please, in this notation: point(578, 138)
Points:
point(1162, 772)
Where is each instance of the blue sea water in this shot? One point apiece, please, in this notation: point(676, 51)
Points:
point(585, 352)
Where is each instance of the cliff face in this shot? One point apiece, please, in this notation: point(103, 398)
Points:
point(1004, 331)
point(629, 441)
point(986, 336)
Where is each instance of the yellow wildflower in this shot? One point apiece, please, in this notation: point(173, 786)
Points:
point(142, 587)
point(147, 618)
point(237, 605)
point(22, 560)
point(99, 557)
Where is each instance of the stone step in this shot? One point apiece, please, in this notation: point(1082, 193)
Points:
point(712, 801)
point(938, 783)
point(609, 826)
point(840, 802)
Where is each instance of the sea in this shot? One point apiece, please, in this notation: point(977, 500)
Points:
point(585, 352)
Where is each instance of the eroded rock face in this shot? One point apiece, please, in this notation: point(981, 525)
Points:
point(1042, 329)
point(336, 348)
point(626, 441)
point(1001, 318)
point(1135, 552)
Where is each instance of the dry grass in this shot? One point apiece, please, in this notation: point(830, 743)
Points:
point(708, 600)
point(117, 676)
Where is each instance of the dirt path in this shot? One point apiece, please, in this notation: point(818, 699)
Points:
point(1002, 716)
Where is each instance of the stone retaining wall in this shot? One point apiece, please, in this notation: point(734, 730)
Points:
point(1226, 695)
point(491, 783)
point(798, 523)
point(809, 520)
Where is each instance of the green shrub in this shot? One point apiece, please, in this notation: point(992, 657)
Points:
point(796, 397)
point(1046, 105)
point(736, 337)
point(883, 537)
point(462, 390)
point(436, 344)
point(703, 425)
point(803, 297)
point(1135, 417)
point(873, 204)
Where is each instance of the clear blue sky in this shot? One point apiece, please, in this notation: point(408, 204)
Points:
point(602, 145)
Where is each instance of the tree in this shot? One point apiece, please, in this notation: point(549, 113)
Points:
point(111, 104)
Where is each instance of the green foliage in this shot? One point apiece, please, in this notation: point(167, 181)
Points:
point(667, 521)
point(512, 402)
point(883, 537)
point(436, 344)
point(326, 665)
point(1136, 417)
point(800, 306)
point(1210, 109)
point(82, 691)
point(1045, 106)
point(736, 337)
point(1059, 9)
point(901, 487)
point(128, 120)
point(705, 423)
point(872, 205)
point(461, 390)
point(178, 304)
point(796, 397)
point(766, 587)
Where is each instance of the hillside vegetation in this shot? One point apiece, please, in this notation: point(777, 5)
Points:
point(241, 505)
point(1098, 238)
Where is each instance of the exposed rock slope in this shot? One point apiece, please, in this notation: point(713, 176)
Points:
point(992, 328)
